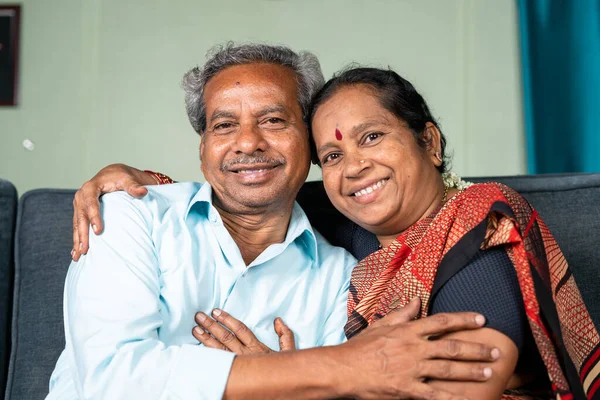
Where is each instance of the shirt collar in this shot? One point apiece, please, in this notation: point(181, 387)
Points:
point(202, 196)
point(299, 229)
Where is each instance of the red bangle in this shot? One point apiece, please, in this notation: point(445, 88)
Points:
point(161, 179)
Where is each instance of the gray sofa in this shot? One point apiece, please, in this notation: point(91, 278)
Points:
point(568, 203)
point(8, 215)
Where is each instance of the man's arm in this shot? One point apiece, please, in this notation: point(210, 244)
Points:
point(112, 320)
point(86, 207)
point(387, 361)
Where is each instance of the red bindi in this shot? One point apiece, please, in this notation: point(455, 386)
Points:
point(338, 134)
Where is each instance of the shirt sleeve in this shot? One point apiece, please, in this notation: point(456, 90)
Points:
point(333, 329)
point(112, 319)
point(488, 285)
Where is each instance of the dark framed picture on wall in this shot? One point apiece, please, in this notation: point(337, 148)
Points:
point(10, 18)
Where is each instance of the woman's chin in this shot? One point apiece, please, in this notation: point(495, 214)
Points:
point(371, 223)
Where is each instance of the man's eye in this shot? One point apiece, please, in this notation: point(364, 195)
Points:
point(223, 126)
point(330, 157)
point(274, 123)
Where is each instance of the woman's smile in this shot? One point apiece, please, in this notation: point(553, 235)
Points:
point(369, 191)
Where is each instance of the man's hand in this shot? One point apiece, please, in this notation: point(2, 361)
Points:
point(228, 333)
point(86, 208)
point(394, 358)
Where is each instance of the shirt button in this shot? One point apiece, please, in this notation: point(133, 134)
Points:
point(212, 218)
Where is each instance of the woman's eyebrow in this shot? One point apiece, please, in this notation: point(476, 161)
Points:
point(356, 129)
point(325, 147)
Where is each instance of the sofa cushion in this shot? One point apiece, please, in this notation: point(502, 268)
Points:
point(42, 257)
point(568, 203)
point(8, 214)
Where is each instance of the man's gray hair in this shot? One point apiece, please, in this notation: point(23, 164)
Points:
point(304, 64)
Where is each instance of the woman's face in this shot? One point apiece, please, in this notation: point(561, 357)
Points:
point(374, 171)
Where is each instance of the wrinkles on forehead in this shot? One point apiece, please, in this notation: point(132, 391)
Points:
point(252, 90)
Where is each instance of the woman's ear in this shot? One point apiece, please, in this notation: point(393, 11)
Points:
point(432, 138)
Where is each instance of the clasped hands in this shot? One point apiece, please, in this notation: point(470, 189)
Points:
point(224, 332)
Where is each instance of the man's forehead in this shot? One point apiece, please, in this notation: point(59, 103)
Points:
point(258, 86)
point(257, 74)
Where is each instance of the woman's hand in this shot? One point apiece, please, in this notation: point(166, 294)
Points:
point(227, 333)
point(86, 207)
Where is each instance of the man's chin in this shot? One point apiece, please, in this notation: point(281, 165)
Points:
point(256, 198)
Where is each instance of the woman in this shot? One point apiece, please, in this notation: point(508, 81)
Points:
point(454, 247)
point(382, 156)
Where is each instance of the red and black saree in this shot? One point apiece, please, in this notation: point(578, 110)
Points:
point(435, 248)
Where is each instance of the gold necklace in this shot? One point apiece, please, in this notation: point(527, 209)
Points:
point(445, 194)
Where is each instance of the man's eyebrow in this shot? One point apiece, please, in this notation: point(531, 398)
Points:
point(221, 114)
point(271, 109)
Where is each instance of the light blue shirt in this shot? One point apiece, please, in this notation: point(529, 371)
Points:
point(129, 304)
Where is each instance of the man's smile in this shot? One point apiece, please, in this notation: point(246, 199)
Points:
point(254, 174)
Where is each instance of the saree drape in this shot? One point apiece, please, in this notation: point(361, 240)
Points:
point(430, 252)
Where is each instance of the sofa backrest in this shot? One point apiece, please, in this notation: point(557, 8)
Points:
point(43, 241)
point(568, 203)
point(42, 256)
point(8, 214)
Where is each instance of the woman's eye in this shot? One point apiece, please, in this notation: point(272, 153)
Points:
point(330, 157)
point(372, 136)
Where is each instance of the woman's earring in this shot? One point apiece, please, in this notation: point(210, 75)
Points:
point(438, 155)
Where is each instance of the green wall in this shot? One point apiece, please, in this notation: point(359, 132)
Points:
point(100, 79)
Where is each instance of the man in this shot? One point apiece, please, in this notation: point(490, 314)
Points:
point(239, 243)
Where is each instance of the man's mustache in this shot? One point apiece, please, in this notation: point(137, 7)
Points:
point(249, 160)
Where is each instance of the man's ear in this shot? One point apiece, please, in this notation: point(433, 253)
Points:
point(432, 137)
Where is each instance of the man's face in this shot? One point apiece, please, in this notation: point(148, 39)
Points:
point(255, 150)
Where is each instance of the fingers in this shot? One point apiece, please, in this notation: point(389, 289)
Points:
point(91, 211)
point(135, 190)
point(401, 315)
point(207, 340)
point(75, 254)
point(438, 324)
point(86, 209)
point(286, 336)
point(238, 328)
point(459, 350)
point(455, 370)
point(221, 334)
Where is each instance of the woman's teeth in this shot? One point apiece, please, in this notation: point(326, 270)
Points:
point(371, 188)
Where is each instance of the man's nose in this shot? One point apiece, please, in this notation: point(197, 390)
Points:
point(250, 139)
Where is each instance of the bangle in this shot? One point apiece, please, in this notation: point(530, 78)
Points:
point(161, 179)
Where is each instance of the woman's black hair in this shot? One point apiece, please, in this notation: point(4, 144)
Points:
point(396, 94)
